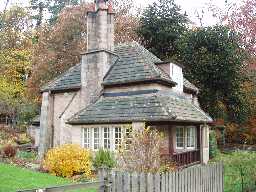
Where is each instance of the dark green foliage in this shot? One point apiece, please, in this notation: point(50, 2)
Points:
point(104, 158)
point(213, 146)
point(214, 62)
point(26, 155)
point(55, 7)
point(161, 26)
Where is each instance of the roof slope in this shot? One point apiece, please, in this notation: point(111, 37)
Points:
point(71, 79)
point(154, 107)
point(135, 64)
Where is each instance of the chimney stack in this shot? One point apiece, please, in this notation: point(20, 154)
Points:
point(100, 45)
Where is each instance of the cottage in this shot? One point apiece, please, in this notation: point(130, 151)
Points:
point(116, 86)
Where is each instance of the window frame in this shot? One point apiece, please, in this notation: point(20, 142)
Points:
point(88, 139)
point(101, 136)
point(185, 138)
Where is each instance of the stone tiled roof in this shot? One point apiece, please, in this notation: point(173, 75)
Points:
point(152, 107)
point(71, 79)
point(189, 86)
point(135, 64)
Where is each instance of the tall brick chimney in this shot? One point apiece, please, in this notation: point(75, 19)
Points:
point(100, 44)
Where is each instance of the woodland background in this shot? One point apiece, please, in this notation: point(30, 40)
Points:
point(220, 60)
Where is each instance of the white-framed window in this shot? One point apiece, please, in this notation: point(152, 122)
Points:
point(96, 138)
point(186, 137)
point(86, 138)
point(106, 137)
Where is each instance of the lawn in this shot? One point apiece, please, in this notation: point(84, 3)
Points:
point(239, 167)
point(13, 178)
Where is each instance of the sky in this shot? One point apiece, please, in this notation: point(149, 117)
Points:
point(191, 7)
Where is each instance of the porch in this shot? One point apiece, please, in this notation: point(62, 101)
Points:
point(183, 143)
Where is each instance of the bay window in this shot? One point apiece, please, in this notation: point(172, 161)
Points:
point(185, 137)
point(106, 137)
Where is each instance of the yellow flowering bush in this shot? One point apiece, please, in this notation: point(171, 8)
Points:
point(68, 160)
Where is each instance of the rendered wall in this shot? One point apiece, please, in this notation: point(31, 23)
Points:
point(65, 106)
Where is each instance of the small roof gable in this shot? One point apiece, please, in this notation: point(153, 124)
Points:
point(134, 64)
point(154, 107)
point(71, 79)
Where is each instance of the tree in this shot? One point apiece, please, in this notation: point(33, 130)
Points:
point(55, 7)
point(242, 19)
point(125, 22)
point(161, 26)
point(59, 46)
point(15, 28)
point(15, 60)
point(214, 61)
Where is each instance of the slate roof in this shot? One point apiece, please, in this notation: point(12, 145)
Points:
point(150, 107)
point(71, 79)
point(135, 64)
point(189, 86)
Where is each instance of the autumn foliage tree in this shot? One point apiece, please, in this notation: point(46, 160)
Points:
point(15, 59)
point(242, 19)
point(60, 46)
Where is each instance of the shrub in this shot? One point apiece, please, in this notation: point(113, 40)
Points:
point(142, 154)
point(26, 155)
point(104, 158)
point(213, 146)
point(68, 160)
point(23, 139)
point(9, 151)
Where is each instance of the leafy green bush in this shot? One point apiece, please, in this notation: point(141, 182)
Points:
point(104, 158)
point(26, 155)
point(213, 146)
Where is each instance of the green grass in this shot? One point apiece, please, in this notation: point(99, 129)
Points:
point(14, 178)
point(234, 164)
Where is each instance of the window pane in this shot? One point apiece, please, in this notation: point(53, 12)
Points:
point(191, 137)
point(118, 137)
point(106, 138)
point(86, 137)
point(180, 137)
point(96, 136)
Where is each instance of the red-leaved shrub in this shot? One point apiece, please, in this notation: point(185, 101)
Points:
point(9, 151)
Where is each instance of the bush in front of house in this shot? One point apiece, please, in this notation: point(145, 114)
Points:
point(141, 151)
point(9, 151)
point(104, 159)
point(68, 160)
point(213, 146)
